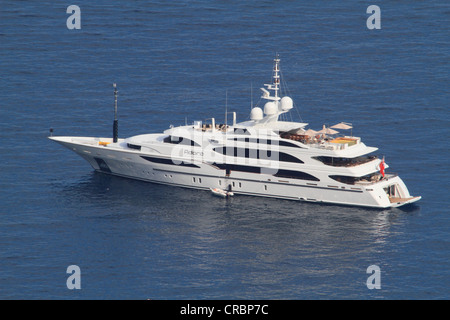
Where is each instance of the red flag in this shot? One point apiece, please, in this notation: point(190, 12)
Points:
point(382, 167)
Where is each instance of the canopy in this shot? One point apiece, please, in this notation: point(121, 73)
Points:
point(310, 132)
point(297, 131)
point(342, 125)
point(326, 130)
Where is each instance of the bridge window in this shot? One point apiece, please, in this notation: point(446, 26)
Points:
point(181, 140)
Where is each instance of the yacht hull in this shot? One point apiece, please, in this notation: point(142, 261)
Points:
point(104, 157)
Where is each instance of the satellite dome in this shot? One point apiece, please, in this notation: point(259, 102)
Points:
point(286, 103)
point(270, 108)
point(256, 114)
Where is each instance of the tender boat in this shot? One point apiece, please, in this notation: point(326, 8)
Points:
point(221, 193)
point(266, 156)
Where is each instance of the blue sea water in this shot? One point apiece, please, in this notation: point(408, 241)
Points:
point(175, 61)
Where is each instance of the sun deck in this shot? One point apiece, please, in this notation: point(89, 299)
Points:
point(322, 141)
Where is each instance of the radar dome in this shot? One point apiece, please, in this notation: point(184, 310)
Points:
point(270, 108)
point(286, 103)
point(256, 114)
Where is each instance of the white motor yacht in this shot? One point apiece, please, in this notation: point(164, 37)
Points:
point(265, 156)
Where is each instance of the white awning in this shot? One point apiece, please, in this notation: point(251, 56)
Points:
point(342, 125)
point(326, 130)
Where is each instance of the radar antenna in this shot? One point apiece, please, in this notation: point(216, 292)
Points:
point(275, 83)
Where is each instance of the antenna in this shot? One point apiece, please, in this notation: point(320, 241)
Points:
point(251, 95)
point(116, 122)
point(226, 107)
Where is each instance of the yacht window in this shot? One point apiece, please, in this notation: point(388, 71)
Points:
point(253, 140)
point(344, 162)
point(180, 140)
point(169, 161)
point(295, 175)
point(236, 167)
point(373, 177)
point(133, 146)
point(241, 131)
point(268, 142)
point(288, 144)
point(257, 154)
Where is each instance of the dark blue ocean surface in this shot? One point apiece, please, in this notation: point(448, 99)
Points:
point(176, 60)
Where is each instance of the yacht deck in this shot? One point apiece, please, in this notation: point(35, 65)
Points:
point(402, 200)
point(323, 141)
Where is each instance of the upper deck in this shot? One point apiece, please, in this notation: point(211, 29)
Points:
point(322, 141)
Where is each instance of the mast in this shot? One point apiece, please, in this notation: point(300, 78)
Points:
point(276, 76)
point(276, 105)
point(275, 85)
point(116, 122)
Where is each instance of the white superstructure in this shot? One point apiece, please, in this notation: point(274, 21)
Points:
point(264, 156)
